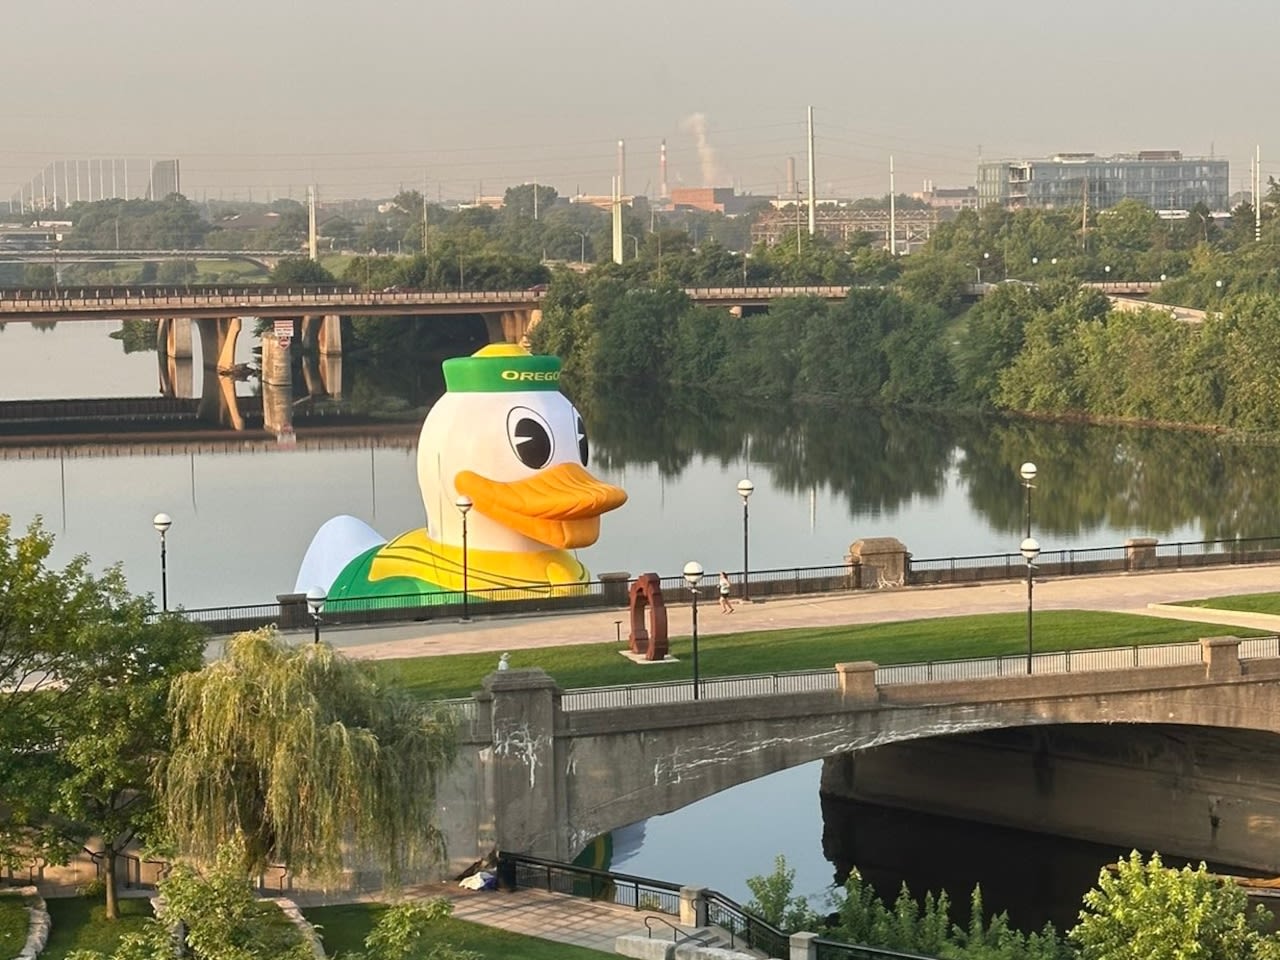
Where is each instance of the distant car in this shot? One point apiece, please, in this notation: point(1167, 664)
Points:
point(393, 289)
point(538, 288)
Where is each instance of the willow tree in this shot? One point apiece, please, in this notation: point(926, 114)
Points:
point(309, 756)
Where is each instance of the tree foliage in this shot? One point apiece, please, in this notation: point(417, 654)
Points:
point(303, 752)
point(86, 668)
point(1142, 910)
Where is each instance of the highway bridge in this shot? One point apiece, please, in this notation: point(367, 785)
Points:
point(149, 302)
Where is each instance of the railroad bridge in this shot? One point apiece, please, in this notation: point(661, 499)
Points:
point(542, 771)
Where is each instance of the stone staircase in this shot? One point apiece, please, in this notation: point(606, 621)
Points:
point(669, 941)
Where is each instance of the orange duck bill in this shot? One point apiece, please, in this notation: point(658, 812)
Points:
point(560, 506)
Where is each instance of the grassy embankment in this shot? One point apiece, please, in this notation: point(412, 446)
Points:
point(1268, 603)
point(774, 651)
point(13, 925)
point(343, 929)
point(78, 923)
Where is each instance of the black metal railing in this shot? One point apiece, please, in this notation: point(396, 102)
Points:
point(659, 896)
point(835, 950)
point(772, 582)
point(638, 893)
point(745, 928)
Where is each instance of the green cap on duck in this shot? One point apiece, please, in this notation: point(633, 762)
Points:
point(501, 368)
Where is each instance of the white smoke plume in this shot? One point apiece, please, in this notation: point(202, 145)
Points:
point(696, 123)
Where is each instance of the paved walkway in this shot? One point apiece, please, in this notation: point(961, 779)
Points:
point(1124, 593)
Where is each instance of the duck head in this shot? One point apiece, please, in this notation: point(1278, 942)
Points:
point(504, 435)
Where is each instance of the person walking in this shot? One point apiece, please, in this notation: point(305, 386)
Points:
point(726, 605)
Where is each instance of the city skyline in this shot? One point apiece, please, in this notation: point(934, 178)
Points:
point(473, 100)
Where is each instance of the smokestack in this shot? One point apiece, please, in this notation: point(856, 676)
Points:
point(622, 168)
point(662, 171)
point(791, 177)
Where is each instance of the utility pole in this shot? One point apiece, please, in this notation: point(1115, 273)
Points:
point(1084, 218)
point(1257, 194)
point(797, 222)
point(617, 221)
point(311, 222)
point(893, 213)
point(535, 199)
point(813, 222)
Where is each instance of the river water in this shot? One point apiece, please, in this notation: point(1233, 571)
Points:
point(244, 513)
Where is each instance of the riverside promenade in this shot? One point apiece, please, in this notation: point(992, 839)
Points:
point(1141, 593)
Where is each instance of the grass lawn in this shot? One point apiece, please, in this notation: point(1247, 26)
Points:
point(1243, 602)
point(13, 924)
point(345, 927)
point(776, 651)
point(79, 924)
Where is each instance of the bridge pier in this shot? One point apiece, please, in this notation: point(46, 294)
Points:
point(322, 333)
point(526, 782)
point(277, 386)
point(218, 341)
point(512, 326)
point(176, 375)
point(173, 337)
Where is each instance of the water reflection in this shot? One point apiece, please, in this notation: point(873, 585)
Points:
point(824, 476)
point(722, 841)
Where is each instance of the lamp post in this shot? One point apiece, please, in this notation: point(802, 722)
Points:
point(635, 246)
point(692, 574)
point(1030, 549)
point(582, 252)
point(315, 603)
point(463, 503)
point(745, 489)
point(162, 522)
point(1028, 474)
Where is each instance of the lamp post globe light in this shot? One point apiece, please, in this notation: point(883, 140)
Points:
point(1030, 549)
point(316, 597)
point(1028, 474)
point(692, 574)
point(463, 503)
point(162, 522)
point(745, 489)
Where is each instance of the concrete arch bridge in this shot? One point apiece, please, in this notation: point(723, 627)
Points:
point(1180, 744)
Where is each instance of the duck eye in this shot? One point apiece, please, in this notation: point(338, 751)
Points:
point(584, 451)
point(530, 437)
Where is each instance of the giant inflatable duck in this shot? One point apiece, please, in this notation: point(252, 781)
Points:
point(506, 437)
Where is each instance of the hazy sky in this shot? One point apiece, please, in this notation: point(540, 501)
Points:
point(480, 94)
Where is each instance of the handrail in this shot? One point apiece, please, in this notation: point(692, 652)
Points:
point(728, 909)
point(677, 935)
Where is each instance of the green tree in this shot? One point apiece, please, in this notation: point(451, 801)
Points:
point(217, 917)
point(773, 899)
point(269, 724)
point(86, 668)
point(300, 270)
point(1144, 911)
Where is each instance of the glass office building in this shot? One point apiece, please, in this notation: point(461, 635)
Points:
point(1162, 179)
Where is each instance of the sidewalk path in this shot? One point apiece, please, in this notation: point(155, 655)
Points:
point(1122, 593)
